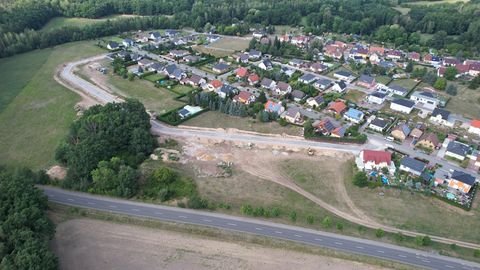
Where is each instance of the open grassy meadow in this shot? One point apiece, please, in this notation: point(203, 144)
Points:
point(219, 120)
point(407, 83)
point(36, 111)
point(466, 102)
point(59, 22)
point(354, 95)
point(156, 99)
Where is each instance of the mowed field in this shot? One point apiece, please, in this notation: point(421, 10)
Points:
point(399, 208)
point(218, 120)
point(59, 22)
point(36, 111)
point(466, 102)
point(224, 47)
point(93, 244)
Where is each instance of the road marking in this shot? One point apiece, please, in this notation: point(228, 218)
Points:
point(380, 251)
point(297, 235)
point(72, 200)
point(359, 247)
point(427, 261)
point(449, 266)
point(232, 224)
point(207, 220)
point(158, 213)
point(278, 232)
point(182, 216)
point(403, 256)
point(318, 239)
point(258, 229)
point(135, 209)
point(91, 203)
point(338, 243)
point(112, 206)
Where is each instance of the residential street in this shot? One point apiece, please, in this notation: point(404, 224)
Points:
point(262, 228)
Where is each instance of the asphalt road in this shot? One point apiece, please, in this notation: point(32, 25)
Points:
point(245, 225)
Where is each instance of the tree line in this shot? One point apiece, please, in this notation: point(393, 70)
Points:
point(25, 229)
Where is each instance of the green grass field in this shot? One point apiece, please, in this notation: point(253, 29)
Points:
point(219, 120)
point(407, 83)
point(59, 22)
point(155, 77)
point(466, 102)
point(156, 99)
point(354, 95)
point(383, 79)
point(38, 111)
point(182, 89)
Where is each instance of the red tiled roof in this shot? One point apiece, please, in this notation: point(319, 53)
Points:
point(253, 77)
point(337, 107)
point(242, 72)
point(475, 123)
point(216, 83)
point(377, 156)
point(244, 95)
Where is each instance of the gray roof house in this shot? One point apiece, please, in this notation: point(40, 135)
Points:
point(297, 95)
point(398, 90)
point(322, 84)
point(267, 83)
point(444, 114)
point(221, 68)
point(463, 177)
point(378, 124)
point(307, 78)
point(457, 150)
point(170, 69)
point(412, 166)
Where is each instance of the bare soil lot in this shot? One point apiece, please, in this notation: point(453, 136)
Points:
point(91, 244)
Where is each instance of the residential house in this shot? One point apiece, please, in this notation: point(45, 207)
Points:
point(172, 33)
point(297, 95)
point(378, 124)
point(315, 101)
point(282, 88)
point(241, 72)
point(254, 54)
point(178, 74)
point(376, 50)
point(375, 58)
point(259, 34)
point(397, 90)
point(400, 132)
point(146, 63)
point(253, 79)
point(127, 42)
point(178, 53)
point(157, 67)
point(154, 35)
point(212, 38)
point(307, 78)
point(376, 97)
point(354, 115)
point(324, 126)
point(112, 45)
point(226, 91)
point(457, 150)
point(337, 107)
point(425, 100)
point(213, 85)
point(334, 51)
point(296, 62)
point(402, 105)
point(339, 132)
point(293, 115)
point(375, 160)
point(429, 141)
point(386, 64)
point(244, 97)
point(322, 84)
point(318, 67)
point(195, 80)
point(416, 133)
point(461, 181)
point(432, 59)
point(450, 61)
point(474, 127)
point(344, 76)
point(340, 87)
point(366, 81)
point(268, 84)
point(441, 117)
point(266, 64)
point(394, 54)
point(191, 59)
point(188, 111)
point(221, 68)
point(474, 69)
point(413, 56)
point(287, 71)
point(275, 107)
point(412, 166)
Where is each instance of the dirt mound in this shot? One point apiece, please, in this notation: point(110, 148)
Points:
point(57, 172)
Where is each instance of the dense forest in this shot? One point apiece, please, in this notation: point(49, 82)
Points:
point(25, 229)
point(456, 26)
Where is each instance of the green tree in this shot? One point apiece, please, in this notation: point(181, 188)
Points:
point(131, 76)
point(293, 216)
point(379, 233)
point(114, 178)
point(262, 98)
point(450, 73)
point(451, 89)
point(409, 67)
point(440, 84)
point(308, 129)
point(475, 83)
point(310, 219)
point(423, 240)
point(360, 179)
point(339, 226)
point(327, 222)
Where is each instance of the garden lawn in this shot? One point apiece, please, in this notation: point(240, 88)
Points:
point(407, 83)
point(182, 89)
point(354, 95)
point(155, 77)
point(38, 112)
point(383, 79)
